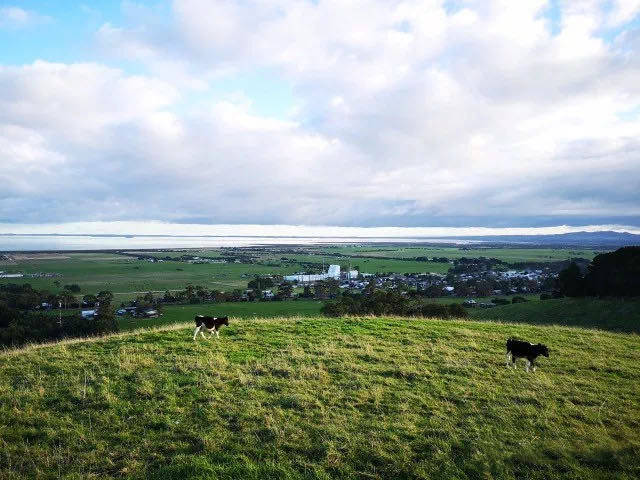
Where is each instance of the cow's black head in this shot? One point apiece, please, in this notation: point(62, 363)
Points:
point(225, 321)
point(543, 350)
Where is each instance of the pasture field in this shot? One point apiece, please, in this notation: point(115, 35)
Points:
point(127, 277)
point(307, 398)
point(605, 314)
point(621, 315)
point(509, 255)
point(185, 313)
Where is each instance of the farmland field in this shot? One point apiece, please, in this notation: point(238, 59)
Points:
point(127, 276)
point(323, 398)
point(509, 255)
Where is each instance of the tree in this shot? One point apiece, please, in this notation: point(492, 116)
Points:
point(285, 290)
point(615, 273)
point(168, 298)
point(89, 300)
point(67, 298)
point(370, 288)
point(333, 287)
point(105, 296)
point(236, 295)
point(571, 282)
point(105, 320)
point(189, 292)
point(73, 288)
point(260, 283)
point(320, 290)
point(202, 293)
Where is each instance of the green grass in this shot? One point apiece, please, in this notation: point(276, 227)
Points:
point(323, 398)
point(615, 315)
point(127, 277)
point(186, 313)
point(509, 255)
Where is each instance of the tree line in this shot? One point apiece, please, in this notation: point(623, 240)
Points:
point(613, 274)
point(21, 324)
point(379, 302)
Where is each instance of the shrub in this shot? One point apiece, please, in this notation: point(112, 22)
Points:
point(518, 300)
point(500, 301)
point(383, 302)
point(458, 311)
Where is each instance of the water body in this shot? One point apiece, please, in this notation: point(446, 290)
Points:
point(13, 243)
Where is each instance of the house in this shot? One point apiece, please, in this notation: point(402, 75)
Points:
point(88, 314)
point(11, 275)
point(268, 295)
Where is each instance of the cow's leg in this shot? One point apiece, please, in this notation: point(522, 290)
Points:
point(202, 333)
point(217, 333)
point(533, 365)
point(508, 358)
point(195, 334)
point(528, 364)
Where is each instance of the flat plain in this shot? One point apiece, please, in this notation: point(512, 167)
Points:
point(128, 277)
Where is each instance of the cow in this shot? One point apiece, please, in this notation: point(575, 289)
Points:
point(211, 324)
point(519, 349)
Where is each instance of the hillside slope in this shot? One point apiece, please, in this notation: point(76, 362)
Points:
point(622, 315)
point(323, 398)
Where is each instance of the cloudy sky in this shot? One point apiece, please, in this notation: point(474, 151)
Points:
point(355, 113)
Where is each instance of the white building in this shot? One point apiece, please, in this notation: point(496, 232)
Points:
point(333, 272)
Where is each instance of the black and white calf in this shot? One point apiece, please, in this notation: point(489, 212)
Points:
point(519, 349)
point(211, 324)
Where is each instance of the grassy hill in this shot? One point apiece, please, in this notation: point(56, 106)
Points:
point(621, 315)
point(323, 398)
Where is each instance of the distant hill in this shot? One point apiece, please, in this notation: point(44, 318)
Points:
point(591, 239)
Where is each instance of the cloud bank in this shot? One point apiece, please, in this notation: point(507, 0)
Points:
point(403, 113)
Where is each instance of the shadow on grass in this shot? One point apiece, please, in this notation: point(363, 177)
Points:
point(615, 315)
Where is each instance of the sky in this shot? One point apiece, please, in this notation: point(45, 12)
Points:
point(487, 114)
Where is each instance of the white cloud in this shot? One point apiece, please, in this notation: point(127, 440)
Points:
point(16, 17)
point(406, 114)
point(164, 228)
